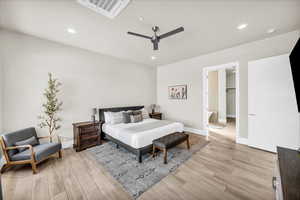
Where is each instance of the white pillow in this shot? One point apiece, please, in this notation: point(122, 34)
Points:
point(107, 117)
point(116, 117)
point(145, 113)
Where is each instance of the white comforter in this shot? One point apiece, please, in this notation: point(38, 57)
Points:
point(141, 134)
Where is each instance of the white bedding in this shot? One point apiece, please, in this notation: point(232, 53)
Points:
point(141, 134)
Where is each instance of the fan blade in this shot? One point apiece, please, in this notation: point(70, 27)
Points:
point(155, 45)
point(171, 33)
point(139, 35)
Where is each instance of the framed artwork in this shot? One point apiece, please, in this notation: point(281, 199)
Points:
point(178, 92)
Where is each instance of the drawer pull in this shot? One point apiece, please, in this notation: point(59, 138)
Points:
point(274, 182)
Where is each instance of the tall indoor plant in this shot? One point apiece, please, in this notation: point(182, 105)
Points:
point(49, 118)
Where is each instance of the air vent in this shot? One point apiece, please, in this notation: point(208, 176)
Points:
point(108, 8)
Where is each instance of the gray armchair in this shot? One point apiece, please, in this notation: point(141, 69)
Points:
point(24, 147)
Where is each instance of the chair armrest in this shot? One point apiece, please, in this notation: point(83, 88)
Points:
point(50, 136)
point(17, 147)
point(44, 137)
point(22, 146)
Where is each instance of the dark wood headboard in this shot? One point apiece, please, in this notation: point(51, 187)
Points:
point(116, 109)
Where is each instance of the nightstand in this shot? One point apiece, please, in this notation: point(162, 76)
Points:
point(156, 115)
point(86, 134)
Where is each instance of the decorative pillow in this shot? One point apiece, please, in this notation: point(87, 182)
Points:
point(136, 118)
point(145, 113)
point(116, 117)
point(126, 117)
point(30, 141)
point(137, 112)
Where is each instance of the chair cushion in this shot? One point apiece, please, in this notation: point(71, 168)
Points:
point(41, 151)
point(170, 140)
point(11, 138)
point(30, 141)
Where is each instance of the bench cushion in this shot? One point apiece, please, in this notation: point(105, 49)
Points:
point(41, 151)
point(170, 140)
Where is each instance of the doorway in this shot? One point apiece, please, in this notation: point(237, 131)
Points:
point(221, 100)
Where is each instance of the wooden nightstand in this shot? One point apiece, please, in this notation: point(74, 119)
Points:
point(86, 134)
point(156, 115)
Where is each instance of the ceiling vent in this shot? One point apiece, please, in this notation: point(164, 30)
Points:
point(108, 8)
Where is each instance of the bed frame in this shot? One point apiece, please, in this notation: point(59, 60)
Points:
point(138, 152)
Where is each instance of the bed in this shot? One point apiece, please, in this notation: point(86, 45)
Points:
point(137, 137)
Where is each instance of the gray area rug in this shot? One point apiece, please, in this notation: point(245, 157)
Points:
point(136, 177)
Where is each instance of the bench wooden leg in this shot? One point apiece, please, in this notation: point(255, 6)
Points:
point(165, 156)
point(188, 143)
point(153, 152)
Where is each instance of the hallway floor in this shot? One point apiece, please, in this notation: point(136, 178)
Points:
point(228, 130)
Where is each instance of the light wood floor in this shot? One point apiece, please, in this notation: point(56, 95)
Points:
point(221, 170)
point(228, 130)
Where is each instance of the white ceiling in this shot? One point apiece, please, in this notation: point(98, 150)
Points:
point(210, 25)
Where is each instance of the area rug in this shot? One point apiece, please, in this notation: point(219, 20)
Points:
point(136, 177)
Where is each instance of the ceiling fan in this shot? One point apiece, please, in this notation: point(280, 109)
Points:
point(156, 38)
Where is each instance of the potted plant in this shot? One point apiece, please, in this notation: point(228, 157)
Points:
point(49, 118)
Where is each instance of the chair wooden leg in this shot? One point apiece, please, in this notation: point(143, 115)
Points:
point(4, 168)
point(165, 156)
point(188, 143)
point(34, 169)
point(60, 154)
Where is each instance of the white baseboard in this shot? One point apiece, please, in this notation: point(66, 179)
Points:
point(197, 131)
point(231, 116)
point(242, 141)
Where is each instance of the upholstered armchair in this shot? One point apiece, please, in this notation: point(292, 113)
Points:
point(24, 147)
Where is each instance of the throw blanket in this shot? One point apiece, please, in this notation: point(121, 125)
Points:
point(147, 126)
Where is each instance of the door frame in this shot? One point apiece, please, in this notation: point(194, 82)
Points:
point(237, 94)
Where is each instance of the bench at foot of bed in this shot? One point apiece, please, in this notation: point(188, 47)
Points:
point(166, 142)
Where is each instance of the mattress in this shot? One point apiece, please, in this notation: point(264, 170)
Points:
point(141, 134)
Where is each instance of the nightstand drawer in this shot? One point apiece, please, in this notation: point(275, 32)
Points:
point(156, 115)
point(89, 129)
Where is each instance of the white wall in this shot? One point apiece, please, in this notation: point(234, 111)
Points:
point(190, 72)
point(88, 80)
point(1, 94)
point(222, 95)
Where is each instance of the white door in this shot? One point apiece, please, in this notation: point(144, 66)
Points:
point(272, 111)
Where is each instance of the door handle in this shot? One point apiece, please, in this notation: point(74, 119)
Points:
point(251, 114)
point(274, 182)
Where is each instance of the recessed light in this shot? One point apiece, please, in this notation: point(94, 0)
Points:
point(242, 26)
point(271, 30)
point(153, 57)
point(141, 18)
point(71, 31)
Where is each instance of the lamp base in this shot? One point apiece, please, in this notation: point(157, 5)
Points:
point(93, 117)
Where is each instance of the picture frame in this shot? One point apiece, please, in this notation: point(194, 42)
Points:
point(177, 92)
